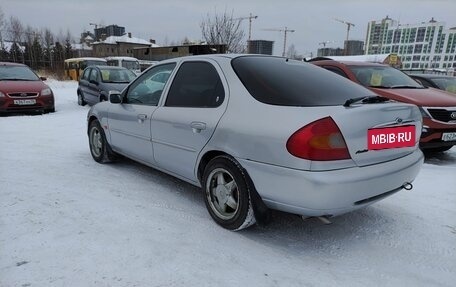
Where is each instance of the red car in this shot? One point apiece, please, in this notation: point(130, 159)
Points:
point(437, 107)
point(22, 90)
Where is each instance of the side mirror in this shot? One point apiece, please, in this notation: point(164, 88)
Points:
point(94, 82)
point(43, 78)
point(114, 97)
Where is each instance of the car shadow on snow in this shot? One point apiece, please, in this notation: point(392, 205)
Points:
point(290, 233)
point(442, 158)
point(283, 230)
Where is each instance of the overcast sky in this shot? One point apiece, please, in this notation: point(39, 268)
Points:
point(173, 20)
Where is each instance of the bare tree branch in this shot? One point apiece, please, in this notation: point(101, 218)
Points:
point(223, 29)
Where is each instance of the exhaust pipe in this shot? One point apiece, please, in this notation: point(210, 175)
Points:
point(324, 219)
point(407, 186)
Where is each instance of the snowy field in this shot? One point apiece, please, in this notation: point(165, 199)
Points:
point(66, 220)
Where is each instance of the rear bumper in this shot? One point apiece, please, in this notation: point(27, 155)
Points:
point(331, 192)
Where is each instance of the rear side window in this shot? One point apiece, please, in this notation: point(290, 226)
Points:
point(279, 81)
point(196, 85)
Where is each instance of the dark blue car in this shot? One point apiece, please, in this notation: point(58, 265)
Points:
point(96, 82)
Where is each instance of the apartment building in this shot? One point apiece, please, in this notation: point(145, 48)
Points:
point(420, 46)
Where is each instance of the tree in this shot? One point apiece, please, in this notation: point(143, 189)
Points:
point(48, 40)
point(16, 53)
point(68, 46)
point(4, 54)
point(16, 29)
point(2, 24)
point(292, 53)
point(223, 29)
point(37, 51)
point(58, 56)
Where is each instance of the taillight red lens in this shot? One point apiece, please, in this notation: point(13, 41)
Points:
point(319, 140)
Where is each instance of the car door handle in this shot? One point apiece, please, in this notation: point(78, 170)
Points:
point(142, 117)
point(197, 127)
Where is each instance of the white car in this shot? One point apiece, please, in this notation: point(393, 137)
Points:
point(258, 132)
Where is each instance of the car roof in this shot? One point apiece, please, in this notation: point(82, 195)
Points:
point(121, 58)
point(107, 67)
point(218, 56)
point(11, 64)
point(322, 60)
point(431, 76)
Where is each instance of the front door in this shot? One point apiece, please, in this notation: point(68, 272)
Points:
point(130, 121)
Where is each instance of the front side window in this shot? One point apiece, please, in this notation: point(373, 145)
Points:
point(86, 75)
point(148, 88)
point(197, 85)
point(94, 76)
point(447, 84)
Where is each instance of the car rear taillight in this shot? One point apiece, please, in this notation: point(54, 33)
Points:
point(320, 140)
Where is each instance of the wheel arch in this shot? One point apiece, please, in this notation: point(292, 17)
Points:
point(89, 121)
point(261, 211)
point(103, 95)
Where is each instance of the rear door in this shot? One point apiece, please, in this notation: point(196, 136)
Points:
point(195, 102)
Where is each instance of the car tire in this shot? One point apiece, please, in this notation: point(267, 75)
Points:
point(99, 147)
point(226, 190)
point(81, 100)
point(51, 110)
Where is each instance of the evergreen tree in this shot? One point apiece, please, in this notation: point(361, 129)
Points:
point(68, 49)
point(4, 54)
point(16, 54)
point(37, 51)
point(58, 56)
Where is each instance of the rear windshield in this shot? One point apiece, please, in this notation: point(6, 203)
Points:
point(278, 81)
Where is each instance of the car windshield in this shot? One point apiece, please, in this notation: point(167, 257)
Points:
point(447, 84)
point(383, 77)
point(280, 81)
point(117, 75)
point(17, 73)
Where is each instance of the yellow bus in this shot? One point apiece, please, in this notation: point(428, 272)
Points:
point(74, 66)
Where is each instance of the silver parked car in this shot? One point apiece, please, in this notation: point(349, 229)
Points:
point(258, 132)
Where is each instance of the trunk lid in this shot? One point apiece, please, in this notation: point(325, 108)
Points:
point(357, 120)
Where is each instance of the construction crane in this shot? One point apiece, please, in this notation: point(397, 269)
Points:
point(250, 17)
point(324, 43)
point(348, 32)
point(285, 31)
point(96, 25)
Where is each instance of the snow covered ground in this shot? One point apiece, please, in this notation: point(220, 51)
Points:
point(66, 220)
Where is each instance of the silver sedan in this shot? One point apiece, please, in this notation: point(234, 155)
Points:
point(260, 132)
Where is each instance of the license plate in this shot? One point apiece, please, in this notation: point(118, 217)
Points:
point(24, 102)
point(386, 138)
point(449, 137)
